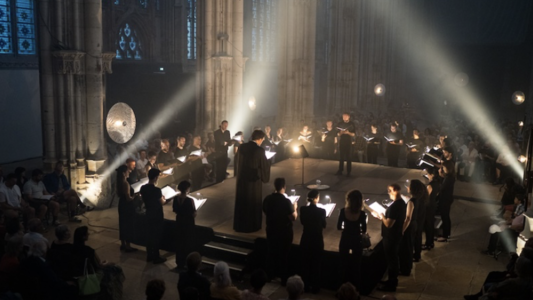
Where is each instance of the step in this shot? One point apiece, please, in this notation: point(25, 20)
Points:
point(233, 240)
point(228, 248)
point(232, 266)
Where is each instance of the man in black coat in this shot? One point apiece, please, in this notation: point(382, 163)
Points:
point(153, 201)
point(222, 143)
point(253, 169)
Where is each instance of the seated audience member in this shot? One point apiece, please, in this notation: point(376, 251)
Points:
point(39, 198)
point(180, 150)
point(165, 158)
point(20, 173)
point(506, 232)
point(191, 278)
point(11, 198)
point(258, 280)
point(347, 292)
point(140, 164)
point(222, 288)
point(514, 288)
point(152, 158)
point(295, 288)
point(46, 284)
point(34, 235)
point(57, 184)
point(60, 253)
point(113, 276)
point(155, 289)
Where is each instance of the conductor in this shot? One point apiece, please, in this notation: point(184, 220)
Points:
point(253, 169)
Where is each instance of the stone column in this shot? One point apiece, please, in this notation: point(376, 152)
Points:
point(94, 85)
point(220, 61)
point(296, 52)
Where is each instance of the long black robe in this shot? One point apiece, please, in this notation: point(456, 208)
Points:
point(252, 170)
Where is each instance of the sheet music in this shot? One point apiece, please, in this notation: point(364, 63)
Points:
point(168, 171)
point(377, 208)
point(204, 161)
point(198, 203)
point(137, 185)
point(276, 142)
point(169, 192)
point(388, 140)
point(182, 158)
point(288, 141)
point(368, 139)
point(269, 154)
point(328, 207)
point(294, 198)
point(425, 162)
point(196, 153)
point(410, 145)
point(341, 129)
point(237, 138)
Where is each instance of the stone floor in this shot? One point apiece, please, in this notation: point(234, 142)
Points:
point(447, 272)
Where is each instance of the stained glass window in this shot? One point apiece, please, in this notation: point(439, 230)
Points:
point(264, 16)
point(128, 44)
point(191, 29)
point(116, 2)
point(17, 27)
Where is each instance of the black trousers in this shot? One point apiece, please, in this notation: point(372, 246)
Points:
point(444, 210)
point(391, 248)
point(350, 263)
point(417, 240)
point(221, 166)
point(429, 226)
point(154, 228)
point(345, 155)
point(372, 151)
point(393, 152)
point(279, 246)
point(406, 250)
point(311, 254)
point(328, 151)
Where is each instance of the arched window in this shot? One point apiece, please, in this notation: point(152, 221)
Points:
point(264, 14)
point(17, 27)
point(143, 3)
point(191, 29)
point(128, 44)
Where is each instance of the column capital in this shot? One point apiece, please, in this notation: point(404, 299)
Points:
point(107, 58)
point(68, 61)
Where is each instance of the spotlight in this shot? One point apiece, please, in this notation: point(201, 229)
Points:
point(518, 97)
point(379, 89)
point(522, 159)
point(252, 103)
point(461, 79)
point(521, 123)
point(445, 102)
point(296, 149)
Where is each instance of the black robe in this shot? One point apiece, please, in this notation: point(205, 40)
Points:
point(252, 170)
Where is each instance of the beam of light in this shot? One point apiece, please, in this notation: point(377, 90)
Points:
point(436, 61)
point(159, 120)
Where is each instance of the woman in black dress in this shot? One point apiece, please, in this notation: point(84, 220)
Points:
point(185, 211)
point(420, 200)
point(447, 172)
point(352, 222)
point(126, 209)
point(313, 220)
point(433, 188)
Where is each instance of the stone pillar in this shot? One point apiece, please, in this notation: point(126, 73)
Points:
point(47, 87)
point(94, 85)
point(296, 52)
point(220, 61)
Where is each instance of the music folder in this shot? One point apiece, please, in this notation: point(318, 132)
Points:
point(169, 171)
point(269, 154)
point(378, 208)
point(342, 129)
point(137, 185)
point(389, 140)
point(169, 193)
point(198, 203)
point(196, 153)
point(328, 207)
point(237, 138)
point(293, 199)
point(181, 158)
point(368, 139)
point(410, 146)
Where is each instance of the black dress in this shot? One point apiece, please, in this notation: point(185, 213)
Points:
point(445, 204)
point(431, 207)
point(153, 219)
point(350, 264)
point(126, 215)
point(185, 210)
point(408, 238)
point(252, 170)
point(313, 220)
point(392, 238)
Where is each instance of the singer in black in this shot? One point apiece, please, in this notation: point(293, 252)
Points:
point(222, 143)
point(372, 144)
point(395, 141)
point(346, 131)
point(253, 169)
point(415, 146)
point(153, 201)
point(329, 141)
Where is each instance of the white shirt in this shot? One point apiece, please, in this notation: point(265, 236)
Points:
point(140, 164)
point(470, 156)
point(35, 189)
point(11, 195)
point(31, 238)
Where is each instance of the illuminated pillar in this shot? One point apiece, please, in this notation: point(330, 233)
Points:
point(296, 64)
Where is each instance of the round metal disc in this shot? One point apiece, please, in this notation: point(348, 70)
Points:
point(120, 123)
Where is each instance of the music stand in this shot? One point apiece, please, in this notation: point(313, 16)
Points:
point(300, 152)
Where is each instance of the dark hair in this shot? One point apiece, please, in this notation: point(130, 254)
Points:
point(79, 236)
point(155, 289)
point(257, 135)
point(225, 121)
point(151, 153)
point(120, 177)
point(447, 142)
point(418, 190)
point(448, 149)
point(258, 279)
point(130, 160)
point(194, 260)
point(184, 186)
point(396, 187)
point(11, 176)
point(153, 173)
point(354, 201)
point(312, 195)
point(36, 172)
point(347, 292)
point(59, 163)
point(279, 183)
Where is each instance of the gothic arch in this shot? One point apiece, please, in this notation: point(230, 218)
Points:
point(144, 32)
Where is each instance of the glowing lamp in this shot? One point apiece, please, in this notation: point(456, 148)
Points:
point(461, 79)
point(518, 97)
point(379, 90)
point(521, 123)
point(252, 103)
point(522, 159)
point(296, 149)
